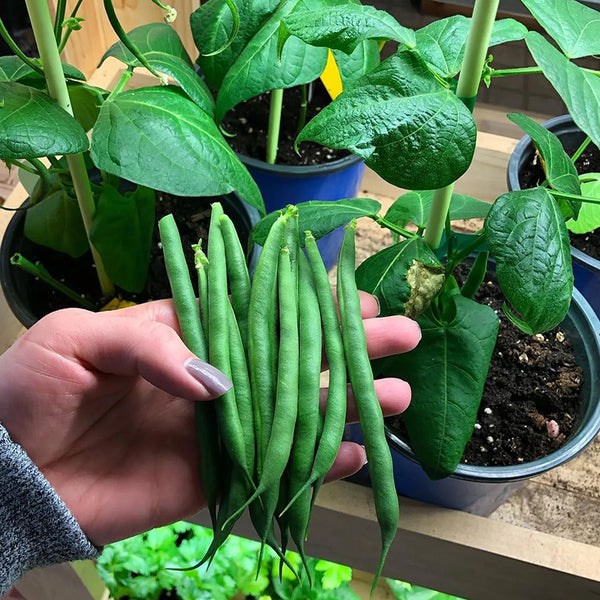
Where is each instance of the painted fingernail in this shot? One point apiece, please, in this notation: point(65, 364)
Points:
point(211, 378)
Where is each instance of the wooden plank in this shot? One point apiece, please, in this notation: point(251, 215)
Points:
point(452, 551)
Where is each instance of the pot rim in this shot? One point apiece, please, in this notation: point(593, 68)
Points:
point(582, 438)
point(301, 170)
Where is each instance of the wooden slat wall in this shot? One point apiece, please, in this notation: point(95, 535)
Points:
point(86, 47)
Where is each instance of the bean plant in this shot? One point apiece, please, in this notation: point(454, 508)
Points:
point(47, 110)
point(410, 119)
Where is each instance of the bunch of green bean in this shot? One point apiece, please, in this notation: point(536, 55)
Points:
point(265, 445)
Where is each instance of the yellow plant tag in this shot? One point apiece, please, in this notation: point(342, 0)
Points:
point(117, 303)
point(331, 77)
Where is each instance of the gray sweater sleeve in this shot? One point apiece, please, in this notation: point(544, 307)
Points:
point(36, 527)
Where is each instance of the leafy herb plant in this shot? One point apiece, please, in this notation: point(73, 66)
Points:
point(161, 137)
point(410, 119)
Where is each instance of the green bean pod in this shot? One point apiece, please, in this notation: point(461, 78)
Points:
point(230, 426)
point(186, 308)
point(237, 273)
point(262, 344)
point(335, 411)
point(367, 403)
point(309, 414)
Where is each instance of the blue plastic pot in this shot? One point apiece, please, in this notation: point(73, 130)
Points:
point(281, 185)
point(478, 489)
point(586, 269)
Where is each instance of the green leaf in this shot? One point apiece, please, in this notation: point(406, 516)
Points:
point(185, 75)
point(442, 43)
point(405, 277)
point(573, 26)
point(560, 170)
point(527, 236)
point(153, 37)
point(414, 207)
point(85, 100)
point(122, 234)
point(589, 213)
point(12, 68)
point(56, 222)
point(258, 68)
point(579, 90)
point(364, 59)
point(558, 167)
point(159, 138)
point(211, 26)
point(411, 130)
point(446, 373)
point(32, 125)
point(321, 217)
point(345, 26)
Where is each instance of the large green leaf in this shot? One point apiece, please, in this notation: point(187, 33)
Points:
point(32, 125)
point(320, 217)
point(153, 37)
point(258, 68)
point(414, 207)
point(405, 277)
point(446, 373)
point(56, 222)
point(588, 218)
point(159, 138)
point(527, 236)
point(410, 129)
point(442, 43)
point(212, 25)
point(574, 26)
point(343, 27)
point(122, 234)
point(579, 89)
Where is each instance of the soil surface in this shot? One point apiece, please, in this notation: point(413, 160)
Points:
point(192, 216)
point(532, 175)
point(249, 121)
point(530, 403)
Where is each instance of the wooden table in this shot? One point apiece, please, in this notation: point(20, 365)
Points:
point(475, 557)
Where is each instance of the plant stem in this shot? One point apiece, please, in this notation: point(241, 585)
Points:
point(585, 199)
point(38, 270)
point(124, 79)
point(274, 125)
point(43, 31)
point(61, 9)
point(482, 22)
point(514, 71)
point(581, 149)
point(395, 228)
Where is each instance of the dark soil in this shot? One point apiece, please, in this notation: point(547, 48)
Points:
point(532, 382)
point(192, 216)
point(249, 123)
point(532, 175)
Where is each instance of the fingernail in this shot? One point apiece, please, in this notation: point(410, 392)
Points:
point(378, 304)
point(211, 378)
point(366, 459)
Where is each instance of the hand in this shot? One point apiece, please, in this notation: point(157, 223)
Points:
point(102, 403)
